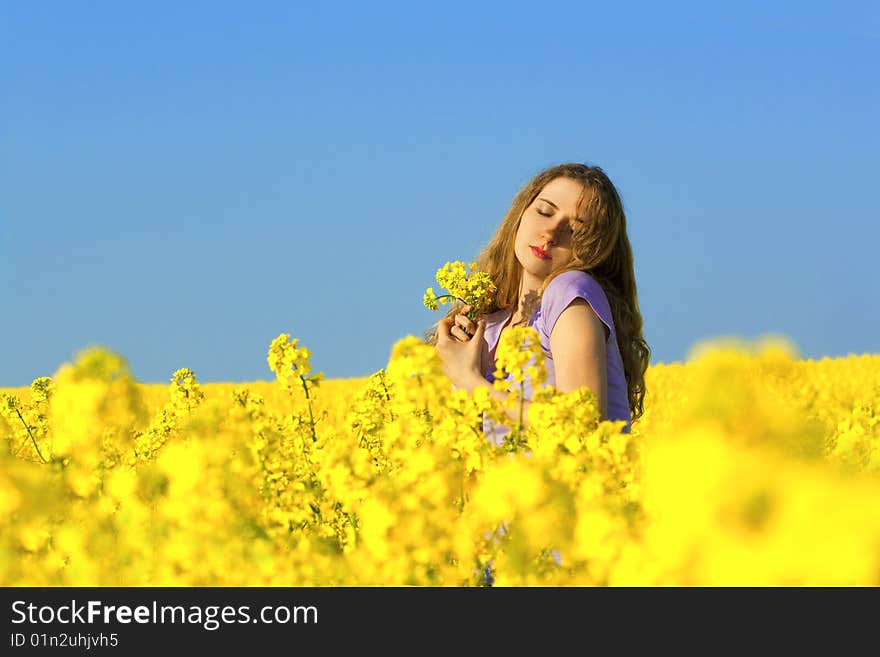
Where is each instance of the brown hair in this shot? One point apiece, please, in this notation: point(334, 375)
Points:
point(600, 247)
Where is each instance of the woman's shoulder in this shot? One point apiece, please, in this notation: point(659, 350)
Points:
point(570, 285)
point(576, 281)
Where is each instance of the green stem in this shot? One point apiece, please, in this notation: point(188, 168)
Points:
point(309, 404)
point(385, 388)
point(33, 440)
point(522, 403)
point(471, 315)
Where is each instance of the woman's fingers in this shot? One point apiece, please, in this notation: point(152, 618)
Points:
point(459, 334)
point(459, 327)
point(467, 325)
point(448, 330)
point(443, 329)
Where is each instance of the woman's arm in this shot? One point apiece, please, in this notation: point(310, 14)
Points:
point(577, 342)
point(465, 357)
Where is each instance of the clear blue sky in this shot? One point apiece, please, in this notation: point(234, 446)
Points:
point(183, 181)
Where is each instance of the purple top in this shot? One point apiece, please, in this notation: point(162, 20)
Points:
point(561, 291)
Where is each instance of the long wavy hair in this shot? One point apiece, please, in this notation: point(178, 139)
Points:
point(600, 247)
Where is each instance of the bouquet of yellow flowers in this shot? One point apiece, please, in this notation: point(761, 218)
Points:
point(474, 289)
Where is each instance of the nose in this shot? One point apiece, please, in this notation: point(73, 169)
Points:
point(552, 232)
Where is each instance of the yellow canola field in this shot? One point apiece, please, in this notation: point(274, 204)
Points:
point(750, 466)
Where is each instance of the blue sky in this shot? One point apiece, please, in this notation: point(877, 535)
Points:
point(183, 181)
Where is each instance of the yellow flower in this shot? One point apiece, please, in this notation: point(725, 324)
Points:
point(474, 289)
point(430, 299)
point(519, 353)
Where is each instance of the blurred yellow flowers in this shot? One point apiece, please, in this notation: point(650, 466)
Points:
point(749, 467)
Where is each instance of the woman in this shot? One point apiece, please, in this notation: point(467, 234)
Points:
point(562, 263)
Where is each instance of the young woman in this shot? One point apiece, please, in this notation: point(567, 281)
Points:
point(562, 263)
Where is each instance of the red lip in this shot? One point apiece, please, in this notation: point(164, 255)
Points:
point(543, 255)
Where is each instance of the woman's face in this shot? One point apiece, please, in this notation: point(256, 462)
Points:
point(543, 239)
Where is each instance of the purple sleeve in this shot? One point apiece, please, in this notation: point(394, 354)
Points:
point(564, 289)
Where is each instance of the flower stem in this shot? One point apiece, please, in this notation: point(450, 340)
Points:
point(471, 315)
point(385, 388)
point(33, 440)
point(309, 404)
point(522, 403)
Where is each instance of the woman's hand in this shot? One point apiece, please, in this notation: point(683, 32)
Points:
point(463, 327)
point(459, 343)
